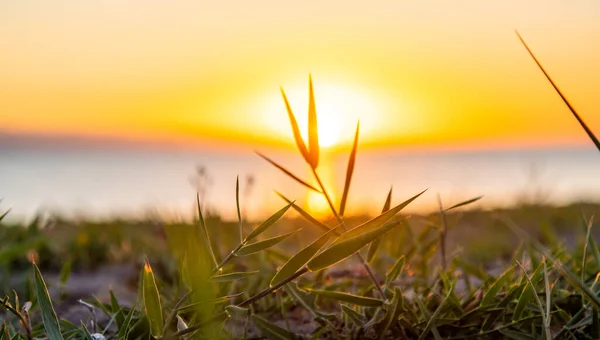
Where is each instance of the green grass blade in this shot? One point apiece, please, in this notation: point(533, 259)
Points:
point(348, 298)
point(86, 333)
point(340, 251)
point(395, 271)
point(491, 293)
point(232, 276)
point(287, 172)
point(393, 312)
point(305, 299)
point(375, 244)
point(376, 221)
point(305, 214)
point(355, 317)
point(349, 171)
point(116, 309)
point(313, 130)
point(576, 283)
point(237, 205)
point(262, 245)
point(548, 301)
point(204, 232)
point(151, 300)
point(295, 129)
point(571, 108)
point(270, 330)
point(462, 204)
point(301, 258)
point(537, 299)
point(65, 272)
point(267, 223)
point(125, 327)
point(433, 318)
point(49, 318)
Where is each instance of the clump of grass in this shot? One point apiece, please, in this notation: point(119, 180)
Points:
point(252, 289)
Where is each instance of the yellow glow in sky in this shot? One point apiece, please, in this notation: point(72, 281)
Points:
point(428, 73)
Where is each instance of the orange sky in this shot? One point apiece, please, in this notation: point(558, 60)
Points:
point(428, 73)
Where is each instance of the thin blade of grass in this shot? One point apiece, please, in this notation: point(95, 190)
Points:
point(124, 328)
point(341, 250)
point(355, 317)
point(49, 318)
point(462, 204)
point(494, 289)
point(304, 214)
point(431, 323)
point(267, 223)
point(548, 300)
point(287, 172)
point(4, 214)
point(295, 128)
point(539, 302)
point(575, 114)
point(313, 130)
point(232, 276)
point(262, 245)
point(376, 221)
point(152, 305)
point(237, 205)
point(375, 244)
point(348, 298)
point(301, 258)
point(393, 312)
point(395, 271)
point(349, 171)
point(585, 247)
point(204, 232)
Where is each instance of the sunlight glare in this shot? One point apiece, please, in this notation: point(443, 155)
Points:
point(338, 110)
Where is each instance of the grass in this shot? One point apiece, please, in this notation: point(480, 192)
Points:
point(454, 274)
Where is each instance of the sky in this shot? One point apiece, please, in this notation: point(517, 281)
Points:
point(416, 73)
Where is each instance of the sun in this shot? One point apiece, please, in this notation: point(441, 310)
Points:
point(339, 107)
point(329, 126)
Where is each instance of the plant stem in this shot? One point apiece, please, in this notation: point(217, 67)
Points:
point(341, 221)
point(227, 259)
point(444, 233)
point(268, 290)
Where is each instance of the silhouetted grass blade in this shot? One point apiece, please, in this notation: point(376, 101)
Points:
point(301, 258)
point(349, 171)
point(262, 245)
point(376, 221)
point(313, 130)
point(287, 172)
point(304, 214)
point(267, 223)
point(49, 318)
point(375, 244)
point(340, 251)
point(462, 204)
point(296, 129)
point(237, 205)
point(575, 114)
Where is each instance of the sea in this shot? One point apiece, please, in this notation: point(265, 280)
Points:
point(101, 183)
